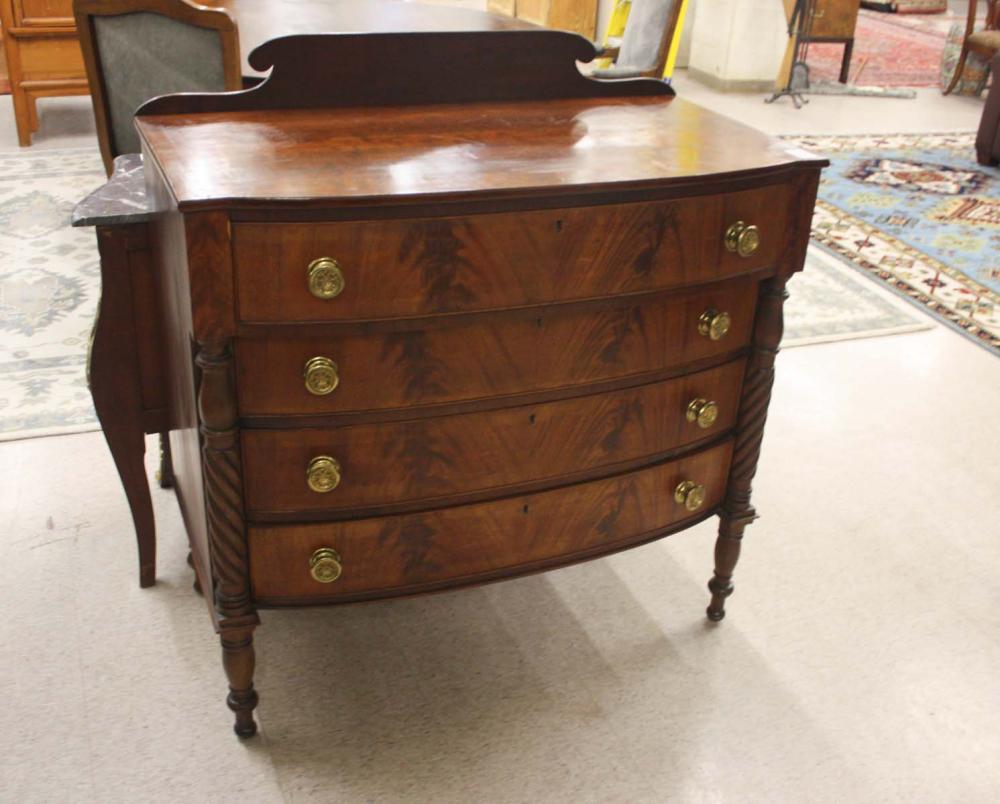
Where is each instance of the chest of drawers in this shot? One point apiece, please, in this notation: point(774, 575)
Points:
point(415, 346)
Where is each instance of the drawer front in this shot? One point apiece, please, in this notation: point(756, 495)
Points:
point(446, 456)
point(43, 12)
point(405, 268)
point(464, 544)
point(51, 58)
point(514, 353)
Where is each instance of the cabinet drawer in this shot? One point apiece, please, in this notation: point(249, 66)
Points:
point(469, 543)
point(44, 13)
point(402, 268)
point(511, 354)
point(51, 58)
point(489, 451)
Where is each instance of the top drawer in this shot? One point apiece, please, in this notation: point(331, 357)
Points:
point(401, 268)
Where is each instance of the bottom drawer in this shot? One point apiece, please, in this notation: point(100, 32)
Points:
point(409, 553)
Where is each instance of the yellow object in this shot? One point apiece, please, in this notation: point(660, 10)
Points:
point(675, 43)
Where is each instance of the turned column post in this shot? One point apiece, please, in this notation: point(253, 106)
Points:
point(226, 528)
point(737, 512)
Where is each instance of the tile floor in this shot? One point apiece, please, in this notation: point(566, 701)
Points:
point(858, 663)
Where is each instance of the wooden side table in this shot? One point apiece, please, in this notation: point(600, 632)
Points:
point(43, 57)
point(834, 22)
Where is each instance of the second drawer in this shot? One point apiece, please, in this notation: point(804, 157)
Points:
point(443, 362)
point(377, 465)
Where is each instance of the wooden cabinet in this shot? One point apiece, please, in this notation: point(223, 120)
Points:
point(835, 19)
point(528, 321)
point(43, 57)
point(579, 16)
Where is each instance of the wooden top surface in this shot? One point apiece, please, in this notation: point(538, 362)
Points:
point(346, 156)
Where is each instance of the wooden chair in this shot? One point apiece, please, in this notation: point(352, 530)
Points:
point(984, 42)
point(646, 43)
point(135, 50)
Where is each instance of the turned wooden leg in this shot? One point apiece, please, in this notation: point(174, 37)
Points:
point(238, 661)
point(227, 528)
point(736, 511)
point(727, 553)
point(166, 473)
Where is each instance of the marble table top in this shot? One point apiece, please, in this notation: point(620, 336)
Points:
point(122, 200)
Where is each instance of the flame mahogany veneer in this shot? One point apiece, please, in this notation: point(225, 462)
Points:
point(533, 270)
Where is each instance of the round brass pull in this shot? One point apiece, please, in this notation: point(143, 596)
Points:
point(325, 565)
point(689, 494)
point(321, 376)
point(713, 324)
point(323, 474)
point(742, 239)
point(326, 280)
point(704, 412)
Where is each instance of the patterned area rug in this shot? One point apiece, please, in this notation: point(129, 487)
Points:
point(829, 301)
point(917, 213)
point(887, 53)
point(49, 287)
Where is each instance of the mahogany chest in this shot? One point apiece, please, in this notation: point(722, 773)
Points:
point(437, 333)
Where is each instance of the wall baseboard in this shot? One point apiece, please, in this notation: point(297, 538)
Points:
point(730, 84)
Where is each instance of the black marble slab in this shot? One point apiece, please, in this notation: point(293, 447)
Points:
point(122, 200)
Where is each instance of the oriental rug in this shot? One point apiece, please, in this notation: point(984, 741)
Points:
point(49, 287)
point(916, 213)
point(887, 53)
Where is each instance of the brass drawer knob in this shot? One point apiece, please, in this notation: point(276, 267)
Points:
point(689, 494)
point(742, 239)
point(325, 565)
point(713, 324)
point(326, 280)
point(321, 376)
point(323, 474)
point(702, 412)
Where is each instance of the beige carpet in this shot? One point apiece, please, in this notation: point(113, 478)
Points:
point(858, 663)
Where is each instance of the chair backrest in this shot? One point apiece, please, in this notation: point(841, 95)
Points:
point(648, 32)
point(135, 50)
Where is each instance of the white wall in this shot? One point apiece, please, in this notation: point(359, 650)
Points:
point(738, 43)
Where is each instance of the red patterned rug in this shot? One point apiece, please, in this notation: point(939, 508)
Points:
point(886, 54)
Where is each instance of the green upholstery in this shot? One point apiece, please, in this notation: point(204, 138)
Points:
point(143, 55)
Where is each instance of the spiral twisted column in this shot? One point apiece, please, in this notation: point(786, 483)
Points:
point(737, 512)
point(226, 528)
